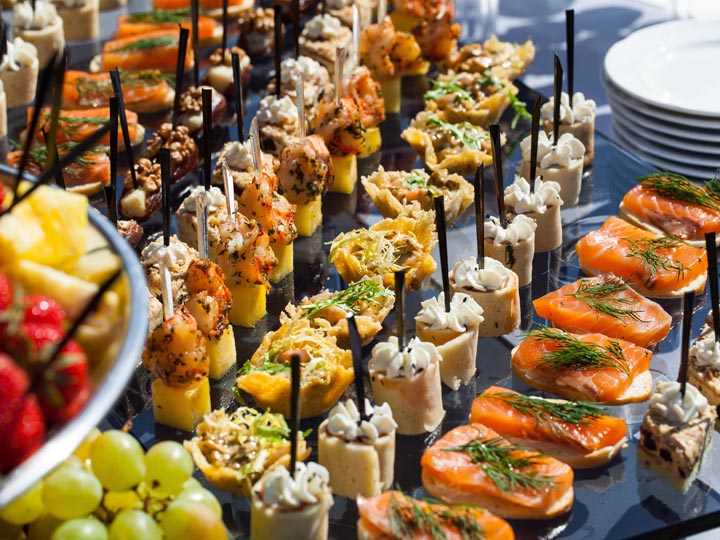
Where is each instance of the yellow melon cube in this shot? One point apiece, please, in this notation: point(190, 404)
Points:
point(345, 172)
point(308, 217)
point(181, 408)
point(373, 141)
point(284, 254)
point(221, 352)
point(249, 305)
point(391, 94)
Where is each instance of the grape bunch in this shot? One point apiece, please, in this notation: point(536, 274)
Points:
point(110, 489)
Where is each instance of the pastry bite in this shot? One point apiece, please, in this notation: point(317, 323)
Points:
point(589, 367)
point(474, 465)
point(454, 333)
point(177, 257)
point(561, 163)
point(154, 50)
point(386, 247)
point(140, 202)
point(278, 123)
point(409, 381)
point(393, 192)
point(654, 265)
point(293, 506)
point(578, 433)
point(494, 288)
point(216, 206)
point(191, 108)
point(367, 93)
point(81, 18)
point(459, 148)
point(257, 32)
point(676, 433)
point(184, 154)
point(238, 156)
point(505, 60)
point(220, 74)
point(139, 23)
point(326, 369)
point(437, 37)
point(512, 245)
point(41, 26)
point(19, 72)
point(343, 9)
point(704, 367)
point(368, 300)
point(606, 305)
point(380, 514)
point(577, 119)
point(358, 454)
point(316, 82)
point(320, 38)
point(543, 205)
point(234, 450)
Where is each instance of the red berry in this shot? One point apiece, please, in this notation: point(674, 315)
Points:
point(32, 344)
point(26, 434)
point(6, 292)
point(14, 383)
point(64, 386)
point(40, 309)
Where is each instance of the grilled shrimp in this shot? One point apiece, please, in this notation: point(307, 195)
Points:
point(244, 253)
point(305, 169)
point(209, 299)
point(376, 42)
point(176, 351)
point(427, 9)
point(367, 93)
point(405, 53)
point(260, 201)
point(340, 126)
point(437, 37)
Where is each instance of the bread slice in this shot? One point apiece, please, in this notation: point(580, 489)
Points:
point(577, 459)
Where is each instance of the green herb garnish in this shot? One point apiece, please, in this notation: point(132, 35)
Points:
point(520, 110)
point(441, 89)
point(572, 352)
point(147, 43)
point(465, 133)
point(416, 180)
point(500, 466)
point(271, 368)
point(676, 186)
point(408, 518)
point(365, 290)
point(646, 249)
point(270, 426)
point(713, 185)
point(161, 16)
point(599, 296)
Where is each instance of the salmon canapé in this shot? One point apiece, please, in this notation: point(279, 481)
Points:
point(672, 204)
point(473, 464)
point(590, 367)
point(395, 516)
point(205, 5)
point(140, 24)
point(156, 50)
point(575, 428)
point(606, 305)
point(652, 264)
point(144, 91)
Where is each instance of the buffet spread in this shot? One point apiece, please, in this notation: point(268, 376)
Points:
point(283, 248)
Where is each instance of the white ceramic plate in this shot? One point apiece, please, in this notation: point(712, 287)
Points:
point(667, 140)
point(671, 65)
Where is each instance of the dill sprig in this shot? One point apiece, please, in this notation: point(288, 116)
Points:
point(646, 249)
point(676, 186)
point(465, 133)
point(441, 89)
point(713, 185)
point(365, 290)
point(408, 518)
point(161, 16)
point(599, 296)
point(502, 467)
point(147, 43)
point(572, 352)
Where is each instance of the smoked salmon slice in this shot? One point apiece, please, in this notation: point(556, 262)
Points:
point(395, 516)
point(574, 428)
point(205, 5)
point(138, 24)
point(606, 305)
point(671, 204)
point(652, 264)
point(473, 464)
point(78, 125)
point(156, 50)
point(144, 91)
point(590, 367)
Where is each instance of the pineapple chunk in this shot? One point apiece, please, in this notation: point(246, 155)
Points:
point(222, 354)
point(95, 266)
point(308, 217)
point(421, 69)
point(373, 142)
point(249, 305)
point(181, 408)
point(285, 265)
point(391, 94)
point(345, 169)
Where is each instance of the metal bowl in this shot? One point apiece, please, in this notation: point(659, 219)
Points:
point(109, 376)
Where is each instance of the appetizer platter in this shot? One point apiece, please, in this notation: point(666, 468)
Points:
point(520, 396)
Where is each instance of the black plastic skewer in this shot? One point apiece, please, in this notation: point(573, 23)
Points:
point(112, 208)
point(3, 38)
point(570, 43)
point(400, 307)
point(58, 79)
point(207, 136)
point(165, 186)
point(296, 26)
point(237, 84)
point(356, 350)
point(224, 29)
point(557, 95)
point(294, 409)
point(54, 159)
point(117, 89)
point(441, 227)
point(479, 185)
point(688, 299)
point(194, 14)
point(534, 135)
point(711, 248)
point(179, 72)
point(497, 165)
point(278, 49)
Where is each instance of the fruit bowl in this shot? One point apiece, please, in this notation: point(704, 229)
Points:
point(113, 353)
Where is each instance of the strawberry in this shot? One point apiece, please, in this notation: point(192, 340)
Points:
point(25, 434)
point(42, 310)
point(14, 383)
point(64, 385)
point(32, 344)
point(6, 301)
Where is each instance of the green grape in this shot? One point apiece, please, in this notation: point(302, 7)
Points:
point(134, 525)
point(189, 520)
point(191, 483)
point(26, 508)
point(117, 460)
point(169, 466)
point(72, 462)
point(83, 451)
point(81, 529)
point(114, 501)
point(69, 493)
point(202, 496)
point(43, 527)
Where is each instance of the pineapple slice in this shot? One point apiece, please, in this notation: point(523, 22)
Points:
point(181, 408)
point(391, 94)
point(345, 169)
point(222, 353)
point(373, 141)
point(249, 305)
point(285, 265)
point(308, 217)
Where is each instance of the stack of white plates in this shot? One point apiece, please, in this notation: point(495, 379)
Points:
point(663, 85)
